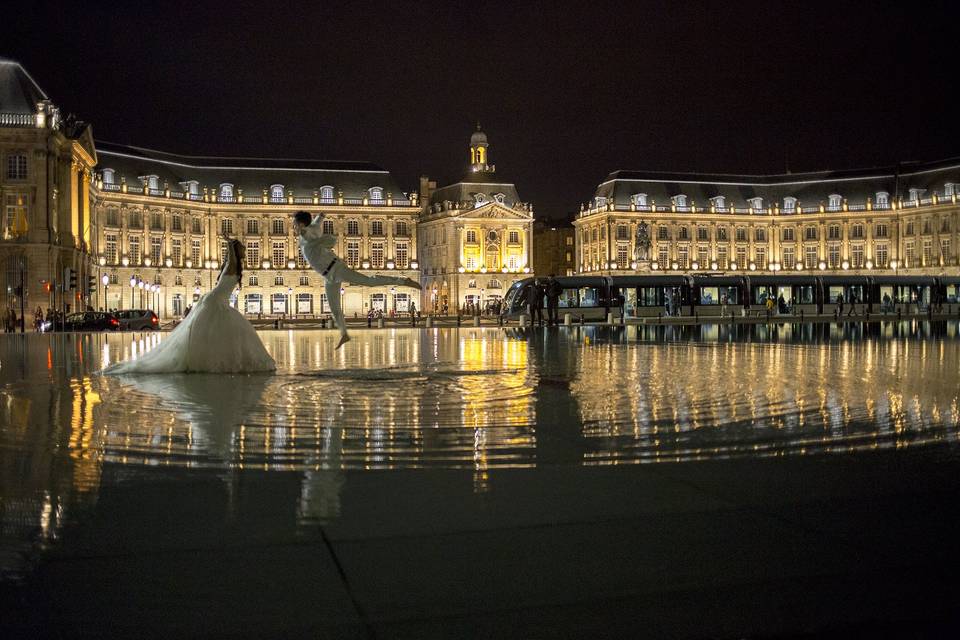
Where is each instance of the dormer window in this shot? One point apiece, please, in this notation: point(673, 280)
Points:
point(152, 182)
point(191, 187)
point(834, 201)
point(276, 193)
point(915, 194)
point(108, 176)
point(756, 203)
point(639, 199)
point(790, 204)
point(376, 194)
point(479, 200)
point(226, 191)
point(600, 201)
point(883, 199)
point(679, 200)
point(718, 201)
point(499, 197)
point(949, 189)
point(326, 193)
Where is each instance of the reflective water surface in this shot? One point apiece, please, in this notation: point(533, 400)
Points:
point(475, 399)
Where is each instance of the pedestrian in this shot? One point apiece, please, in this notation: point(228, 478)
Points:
point(853, 304)
point(839, 311)
point(38, 319)
point(413, 313)
point(535, 302)
point(723, 305)
point(769, 304)
point(554, 291)
point(13, 320)
point(781, 304)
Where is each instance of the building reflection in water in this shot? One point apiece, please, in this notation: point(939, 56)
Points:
point(478, 399)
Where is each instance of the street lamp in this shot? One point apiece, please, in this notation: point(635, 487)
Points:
point(289, 293)
point(106, 285)
point(141, 284)
point(393, 294)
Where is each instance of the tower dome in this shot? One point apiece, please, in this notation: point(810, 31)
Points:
point(478, 150)
point(478, 137)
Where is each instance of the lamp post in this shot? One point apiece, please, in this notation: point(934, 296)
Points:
point(289, 293)
point(105, 279)
point(102, 261)
point(133, 287)
point(393, 294)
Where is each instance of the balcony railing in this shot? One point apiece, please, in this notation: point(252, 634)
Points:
point(18, 120)
point(258, 201)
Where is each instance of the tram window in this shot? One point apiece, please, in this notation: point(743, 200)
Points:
point(709, 295)
point(647, 297)
point(834, 292)
point(854, 294)
point(802, 294)
point(953, 293)
point(761, 294)
point(568, 298)
point(887, 298)
point(589, 297)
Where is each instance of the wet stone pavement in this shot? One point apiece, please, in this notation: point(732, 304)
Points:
point(785, 480)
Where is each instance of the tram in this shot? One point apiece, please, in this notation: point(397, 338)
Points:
point(592, 298)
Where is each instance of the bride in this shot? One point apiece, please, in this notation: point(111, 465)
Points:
point(214, 337)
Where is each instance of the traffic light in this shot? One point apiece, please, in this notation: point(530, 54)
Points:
point(70, 277)
point(91, 284)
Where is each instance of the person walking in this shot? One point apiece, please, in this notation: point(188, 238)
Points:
point(554, 290)
point(413, 313)
point(853, 305)
point(839, 311)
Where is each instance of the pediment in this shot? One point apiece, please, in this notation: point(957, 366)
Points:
point(496, 210)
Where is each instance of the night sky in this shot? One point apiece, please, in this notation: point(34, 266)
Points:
point(565, 95)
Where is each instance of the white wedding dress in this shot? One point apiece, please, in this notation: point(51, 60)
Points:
point(213, 338)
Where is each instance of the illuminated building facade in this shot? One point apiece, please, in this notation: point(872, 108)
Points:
point(896, 220)
point(554, 248)
point(476, 236)
point(46, 164)
point(164, 220)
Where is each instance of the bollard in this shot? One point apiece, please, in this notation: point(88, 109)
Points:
point(610, 317)
point(379, 323)
point(523, 320)
point(581, 319)
point(323, 323)
point(567, 319)
point(476, 321)
point(429, 321)
point(276, 323)
point(458, 319)
point(369, 321)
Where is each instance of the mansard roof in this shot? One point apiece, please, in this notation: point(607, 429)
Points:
point(19, 93)
point(811, 188)
point(253, 175)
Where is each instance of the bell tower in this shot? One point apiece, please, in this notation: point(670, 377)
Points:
point(478, 152)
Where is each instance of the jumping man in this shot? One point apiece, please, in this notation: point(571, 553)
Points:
point(317, 249)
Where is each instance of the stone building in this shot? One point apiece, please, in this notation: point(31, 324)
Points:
point(163, 219)
point(554, 248)
point(901, 219)
point(476, 236)
point(46, 169)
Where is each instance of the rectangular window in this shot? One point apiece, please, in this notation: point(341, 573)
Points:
point(683, 256)
point(253, 281)
point(17, 166)
point(927, 253)
point(722, 260)
point(176, 222)
point(279, 254)
point(304, 281)
point(376, 255)
point(134, 250)
point(663, 256)
point(788, 234)
point(277, 227)
point(226, 227)
point(789, 258)
point(353, 254)
point(741, 234)
point(909, 231)
point(196, 226)
point(944, 225)
point(881, 231)
point(910, 254)
point(622, 232)
point(703, 256)
point(810, 258)
point(663, 233)
point(253, 254)
point(301, 261)
point(400, 251)
point(683, 233)
point(856, 231)
point(156, 221)
point(156, 249)
point(945, 250)
point(856, 256)
point(401, 228)
point(195, 253)
point(760, 257)
point(15, 206)
point(833, 232)
point(253, 227)
point(110, 248)
point(278, 280)
point(833, 255)
point(621, 256)
point(703, 233)
point(353, 228)
point(741, 257)
point(376, 228)
point(810, 233)
point(113, 217)
point(761, 235)
point(134, 221)
point(514, 237)
point(722, 234)
point(176, 251)
point(883, 257)
point(472, 236)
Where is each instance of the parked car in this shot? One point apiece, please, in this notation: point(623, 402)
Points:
point(138, 320)
point(91, 321)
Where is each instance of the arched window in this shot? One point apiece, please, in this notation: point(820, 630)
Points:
point(108, 176)
point(376, 194)
point(883, 199)
point(639, 199)
point(353, 228)
point(226, 192)
point(834, 202)
point(789, 204)
point(326, 194)
point(276, 193)
point(494, 284)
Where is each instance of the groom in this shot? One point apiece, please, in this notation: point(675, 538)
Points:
point(317, 249)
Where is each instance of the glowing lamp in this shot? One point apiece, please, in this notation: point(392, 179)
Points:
point(713, 266)
point(169, 262)
point(613, 265)
point(753, 266)
point(291, 264)
point(102, 261)
point(483, 269)
point(147, 261)
point(133, 282)
point(105, 279)
point(633, 265)
point(414, 264)
point(391, 264)
point(674, 266)
point(799, 266)
point(869, 264)
point(189, 264)
point(822, 265)
point(894, 264)
point(365, 264)
point(845, 265)
point(655, 265)
point(461, 269)
point(733, 266)
point(526, 269)
point(141, 284)
point(125, 261)
point(265, 264)
point(695, 265)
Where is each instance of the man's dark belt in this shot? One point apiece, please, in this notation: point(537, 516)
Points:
point(329, 266)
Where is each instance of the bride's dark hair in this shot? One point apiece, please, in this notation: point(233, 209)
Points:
point(235, 248)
